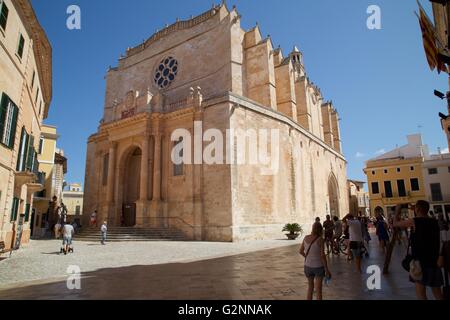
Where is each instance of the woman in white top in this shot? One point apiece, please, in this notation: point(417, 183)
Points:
point(316, 267)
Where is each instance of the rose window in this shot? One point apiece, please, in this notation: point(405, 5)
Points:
point(165, 72)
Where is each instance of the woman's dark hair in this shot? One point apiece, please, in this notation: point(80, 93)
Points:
point(317, 229)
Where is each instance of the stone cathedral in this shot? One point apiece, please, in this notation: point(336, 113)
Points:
point(209, 71)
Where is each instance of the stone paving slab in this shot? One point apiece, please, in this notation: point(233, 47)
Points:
point(269, 274)
point(40, 260)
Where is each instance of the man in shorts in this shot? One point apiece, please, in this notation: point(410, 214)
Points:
point(356, 239)
point(68, 232)
point(337, 233)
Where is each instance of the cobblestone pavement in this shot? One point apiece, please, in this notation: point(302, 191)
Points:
point(174, 270)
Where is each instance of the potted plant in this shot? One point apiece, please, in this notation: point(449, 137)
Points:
point(295, 230)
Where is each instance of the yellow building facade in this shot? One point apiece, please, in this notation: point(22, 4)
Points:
point(396, 177)
point(53, 166)
point(25, 93)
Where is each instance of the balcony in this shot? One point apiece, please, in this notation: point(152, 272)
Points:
point(395, 197)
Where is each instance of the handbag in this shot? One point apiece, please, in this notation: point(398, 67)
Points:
point(412, 265)
point(406, 262)
point(415, 270)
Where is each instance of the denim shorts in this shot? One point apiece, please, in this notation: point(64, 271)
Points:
point(356, 248)
point(67, 240)
point(314, 272)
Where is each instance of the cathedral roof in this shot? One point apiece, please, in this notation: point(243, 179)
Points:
point(177, 26)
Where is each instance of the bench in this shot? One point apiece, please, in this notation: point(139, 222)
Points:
point(2, 248)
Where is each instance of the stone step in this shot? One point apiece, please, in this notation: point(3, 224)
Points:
point(117, 234)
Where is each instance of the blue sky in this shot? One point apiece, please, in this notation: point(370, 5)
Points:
point(379, 80)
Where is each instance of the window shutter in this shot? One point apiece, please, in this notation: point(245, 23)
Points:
point(3, 104)
point(12, 136)
point(27, 212)
point(14, 209)
point(20, 152)
point(30, 153)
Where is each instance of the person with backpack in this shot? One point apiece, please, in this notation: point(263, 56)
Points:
point(316, 266)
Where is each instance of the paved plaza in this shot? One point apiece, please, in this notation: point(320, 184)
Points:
point(188, 270)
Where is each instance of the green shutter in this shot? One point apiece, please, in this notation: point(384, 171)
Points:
point(30, 153)
point(21, 46)
point(20, 153)
point(14, 209)
point(3, 104)
point(4, 11)
point(12, 137)
point(27, 212)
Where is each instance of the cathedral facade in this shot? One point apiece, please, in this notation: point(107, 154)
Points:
point(204, 75)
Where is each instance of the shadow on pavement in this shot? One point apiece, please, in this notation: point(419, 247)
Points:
point(270, 274)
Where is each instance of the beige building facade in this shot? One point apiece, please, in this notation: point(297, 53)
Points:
point(52, 168)
point(436, 173)
point(359, 202)
point(224, 87)
point(26, 90)
point(73, 200)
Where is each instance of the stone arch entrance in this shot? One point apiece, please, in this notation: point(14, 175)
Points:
point(131, 175)
point(379, 211)
point(333, 196)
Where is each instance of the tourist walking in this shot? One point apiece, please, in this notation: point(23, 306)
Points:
point(94, 219)
point(443, 227)
point(425, 248)
point(316, 266)
point(68, 232)
point(356, 239)
point(382, 231)
point(328, 226)
point(365, 230)
point(104, 230)
point(337, 233)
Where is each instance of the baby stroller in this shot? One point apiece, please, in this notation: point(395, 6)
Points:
point(63, 248)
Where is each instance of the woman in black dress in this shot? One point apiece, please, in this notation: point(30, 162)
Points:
point(425, 246)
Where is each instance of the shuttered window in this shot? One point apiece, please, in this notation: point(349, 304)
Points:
point(4, 11)
point(20, 46)
point(22, 151)
point(8, 121)
point(30, 154)
point(27, 212)
point(14, 209)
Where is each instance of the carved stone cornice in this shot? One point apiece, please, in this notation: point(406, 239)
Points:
point(177, 26)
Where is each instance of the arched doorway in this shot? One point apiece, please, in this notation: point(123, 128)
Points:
point(333, 196)
point(379, 211)
point(131, 183)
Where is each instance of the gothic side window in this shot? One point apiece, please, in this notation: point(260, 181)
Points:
point(166, 72)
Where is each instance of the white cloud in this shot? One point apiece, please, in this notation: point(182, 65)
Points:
point(445, 150)
point(380, 152)
point(360, 155)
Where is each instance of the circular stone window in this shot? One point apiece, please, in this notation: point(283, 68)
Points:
point(165, 72)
